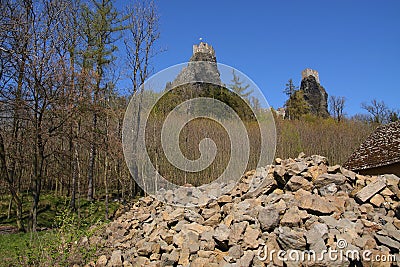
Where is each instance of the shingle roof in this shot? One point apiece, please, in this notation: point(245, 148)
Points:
point(381, 148)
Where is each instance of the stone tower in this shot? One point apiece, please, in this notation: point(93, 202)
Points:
point(310, 72)
point(202, 66)
point(203, 52)
point(314, 94)
point(203, 48)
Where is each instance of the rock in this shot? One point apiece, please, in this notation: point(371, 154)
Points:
point(246, 259)
point(222, 200)
point(272, 245)
point(250, 237)
point(291, 239)
point(315, 96)
point(328, 190)
point(116, 258)
point(334, 169)
point(195, 227)
point(266, 186)
point(377, 200)
point(326, 179)
point(213, 220)
point(235, 252)
point(296, 168)
point(236, 232)
point(297, 182)
point(210, 211)
point(393, 183)
point(199, 262)
point(139, 261)
point(391, 230)
point(184, 257)
point(221, 233)
point(349, 174)
point(169, 259)
point(191, 241)
point(387, 241)
point(313, 203)
point(370, 190)
point(268, 218)
point(193, 216)
point(315, 237)
point(102, 261)
point(318, 160)
point(291, 217)
point(148, 248)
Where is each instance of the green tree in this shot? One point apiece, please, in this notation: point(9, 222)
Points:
point(296, 106)
point(289, 90)
point(239, 88)
point(394, 116)
point(101, 23)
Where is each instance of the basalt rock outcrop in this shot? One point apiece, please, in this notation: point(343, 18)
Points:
point(293, 206)
point(315, 95)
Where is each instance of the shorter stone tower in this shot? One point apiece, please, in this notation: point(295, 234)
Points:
point(310, 72)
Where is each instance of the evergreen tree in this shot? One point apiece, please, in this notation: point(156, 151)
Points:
point(296, 106)
point(101, 22)
point(289, 90)
point(238, 87)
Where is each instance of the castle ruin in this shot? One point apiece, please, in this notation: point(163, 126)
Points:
point(310, 72)
point(203, 48)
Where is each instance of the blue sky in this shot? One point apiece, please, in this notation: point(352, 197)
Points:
point(353, 44)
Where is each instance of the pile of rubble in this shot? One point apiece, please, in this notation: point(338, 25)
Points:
point(305, 213)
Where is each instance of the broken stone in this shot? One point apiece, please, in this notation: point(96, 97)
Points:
point(313, 203)
point(235, 252)
point(296, 168)
point(387, 241)
point(116, 258)
point(268, 218)
point(250, 237)
point(326, 179)
point(371, 189)
point(377, 200)
point(102, 261)
point(297, 182)
point(291, 239)
point(291, 217)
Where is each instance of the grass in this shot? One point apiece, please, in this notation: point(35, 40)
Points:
point(51, 247)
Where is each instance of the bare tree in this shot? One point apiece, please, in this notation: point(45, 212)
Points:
point(143, 32)
point(379, 112)
point(337, 104)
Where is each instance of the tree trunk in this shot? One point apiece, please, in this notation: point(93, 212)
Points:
point(9, 180)
point(92, 158)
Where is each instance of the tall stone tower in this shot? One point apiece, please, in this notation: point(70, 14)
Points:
point(203, 52)
point(202, 66)
point(314, 94)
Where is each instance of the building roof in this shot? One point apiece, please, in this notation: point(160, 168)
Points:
point(381, 148)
